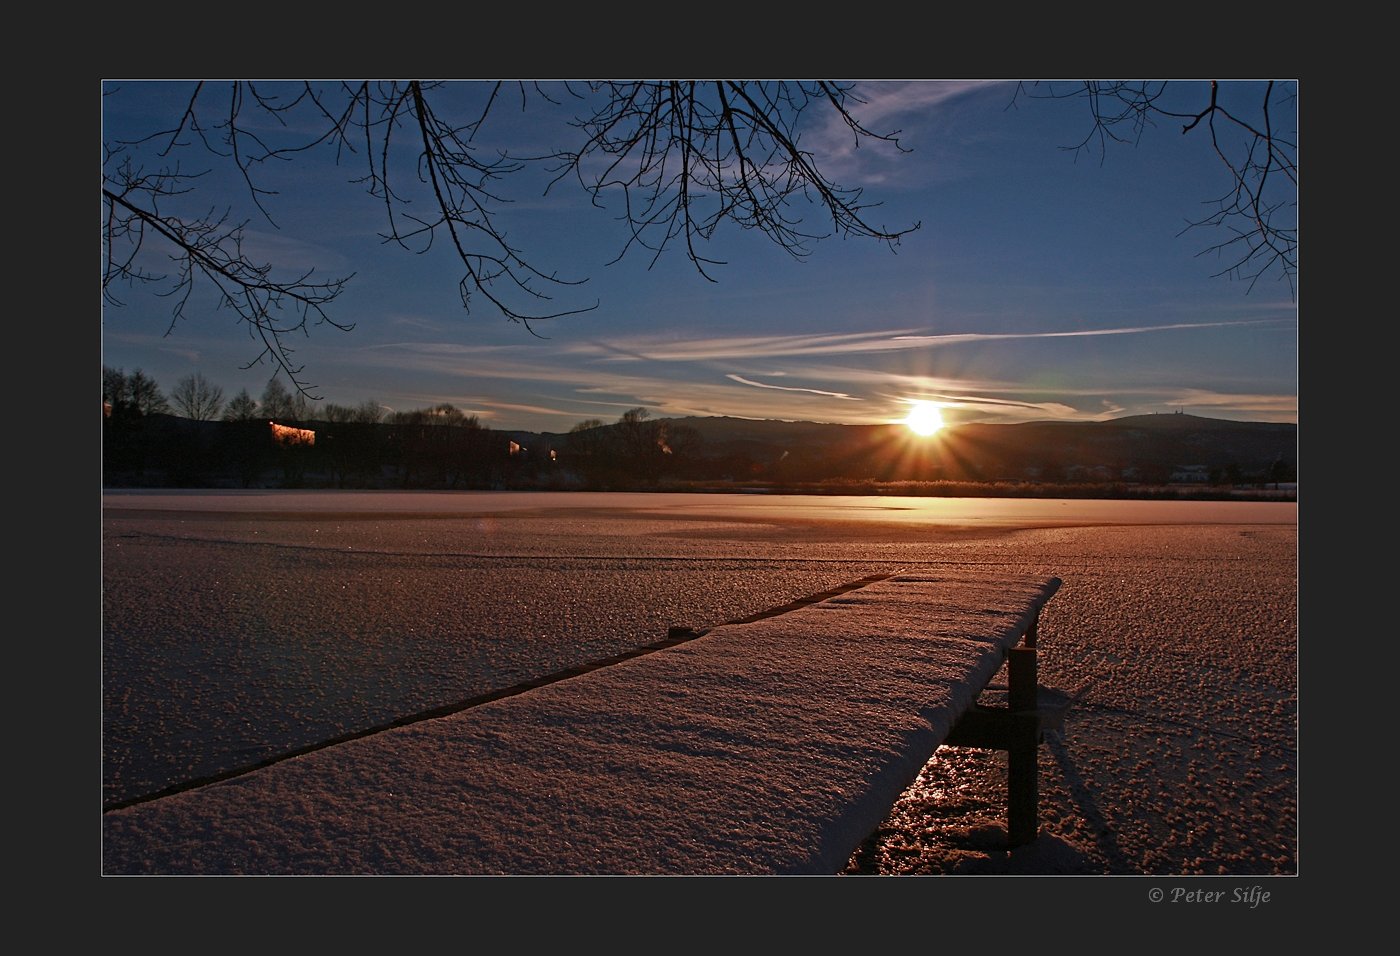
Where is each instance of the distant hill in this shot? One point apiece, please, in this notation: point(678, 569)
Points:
point(1140, 450)
point(1135, 448)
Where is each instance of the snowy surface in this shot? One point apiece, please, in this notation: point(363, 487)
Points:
point(230, 637)
point(774, 746)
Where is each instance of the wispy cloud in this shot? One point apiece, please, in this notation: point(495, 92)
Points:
point(294, 255)
point(886, 340)
point(188, 355)
point(508, 362)
point(1270, 405)
point(745, 347)
point(676, 378)
point(792, 388)
point(415, 322)
point(906, 109)
point(963, 337)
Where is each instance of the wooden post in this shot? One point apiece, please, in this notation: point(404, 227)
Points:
point(1023, 764)
point(1016, 729)
point(1023, 780)
point(1022, 678)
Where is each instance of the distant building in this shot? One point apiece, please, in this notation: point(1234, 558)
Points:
point(1189, 474)
point(287, 435)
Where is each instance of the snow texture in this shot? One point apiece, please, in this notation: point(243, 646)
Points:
point(773, 747)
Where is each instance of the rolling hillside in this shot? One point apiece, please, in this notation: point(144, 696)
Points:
point(1143, 448)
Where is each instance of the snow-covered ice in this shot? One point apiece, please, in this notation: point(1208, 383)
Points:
point(232, 636)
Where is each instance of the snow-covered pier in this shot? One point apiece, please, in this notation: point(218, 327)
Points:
point(770, 746)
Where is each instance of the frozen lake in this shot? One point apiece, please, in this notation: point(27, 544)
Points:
point(971, 512)
point(238, 626)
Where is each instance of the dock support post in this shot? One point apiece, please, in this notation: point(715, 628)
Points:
point(1023, 763)
point(1016, 729)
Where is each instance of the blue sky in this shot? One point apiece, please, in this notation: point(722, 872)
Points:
point(1040, 285)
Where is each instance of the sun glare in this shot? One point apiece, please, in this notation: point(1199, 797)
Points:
point(924, 418)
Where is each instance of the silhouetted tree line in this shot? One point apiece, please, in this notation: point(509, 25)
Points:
point(637, 450)
point(195, 439)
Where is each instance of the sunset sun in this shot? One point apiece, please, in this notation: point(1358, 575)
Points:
point(924, 418)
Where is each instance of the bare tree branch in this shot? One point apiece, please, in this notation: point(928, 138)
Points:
point(1257, 210)
point(210, 248)
point(685, 157)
